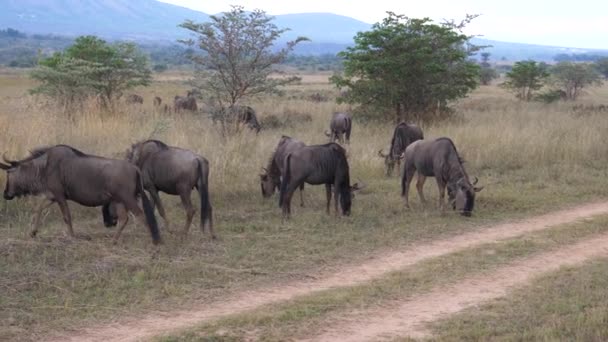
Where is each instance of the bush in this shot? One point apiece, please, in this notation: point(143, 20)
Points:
point(549, 96)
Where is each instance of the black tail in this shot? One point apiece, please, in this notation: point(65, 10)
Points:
point(203, 191)
point(285, 179)
point(403, 180)
point(148, 211)
point(109, 220)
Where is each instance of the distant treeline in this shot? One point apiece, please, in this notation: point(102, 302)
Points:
point(582, 57)
point(18, 49)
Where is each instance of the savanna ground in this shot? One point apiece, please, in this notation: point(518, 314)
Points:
point(532, 157)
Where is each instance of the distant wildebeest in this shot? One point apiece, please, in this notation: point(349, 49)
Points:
point(340, 126)
point(403, 135)
point(134, 98)
point(181, 103)
point(271, 177)
point(62, 173)
point(318, 164)
point(175, 171)
point(438, 158)
point(247, 116)
point(157, 101)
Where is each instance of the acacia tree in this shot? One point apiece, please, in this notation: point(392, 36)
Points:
point(525, 78)
point(573, 77)
point(487, 73)
point(409, 67)
point(91, 68)
point(236, 59)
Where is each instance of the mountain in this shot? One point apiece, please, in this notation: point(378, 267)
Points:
point(155, 21)
point(124, 19)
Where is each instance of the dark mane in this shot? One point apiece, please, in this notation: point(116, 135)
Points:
point(76, 152)
point(460, 159)
point(158, 143)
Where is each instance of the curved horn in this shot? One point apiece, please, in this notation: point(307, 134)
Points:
point(475, 181)
point(4, 166)
point(6, 160)
point(359, 185)
point(382, 155)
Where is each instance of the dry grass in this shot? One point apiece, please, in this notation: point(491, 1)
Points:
point(532, 157)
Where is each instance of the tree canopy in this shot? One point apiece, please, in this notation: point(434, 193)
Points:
point(409, 67)
point(525, 78)
point(237, 53)
point(91, 68)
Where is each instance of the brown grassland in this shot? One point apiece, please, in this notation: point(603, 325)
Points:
point(532, 157)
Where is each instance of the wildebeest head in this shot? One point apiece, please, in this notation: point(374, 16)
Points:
point(389, 161)
point(461, 195)
point(23, 177)
point(346, 198)
point(268, 183)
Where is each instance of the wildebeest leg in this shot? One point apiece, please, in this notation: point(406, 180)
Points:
point(43, 205)
point(161, 209)
point(190, 211)
point(328, 194)
point(419, 186)
point(131, 205)
point(408, 175)
point(441, 185)
point(302, 195)
point(67, 217)
point(336, 198)
point(123, 218)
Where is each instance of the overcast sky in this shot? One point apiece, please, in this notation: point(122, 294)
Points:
point(573, 23)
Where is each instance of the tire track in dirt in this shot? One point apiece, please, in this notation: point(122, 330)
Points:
point(408, 317)
point(156, 323)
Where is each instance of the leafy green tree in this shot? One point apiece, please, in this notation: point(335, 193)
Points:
point(409, 67)
point(91, 68)
point(487, 73)
point(238, 52)
point(602, 66)
point(525, 78)
point(573, 77)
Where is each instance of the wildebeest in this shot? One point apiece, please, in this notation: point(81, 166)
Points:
point(175, 171)
point(438, 158)
point(134, 98)
point(246, 115)
point(403, 135)
point(157, 101)
point(63, 173)
point(318, 164)
point(271, 177)
point(340, 126)
point(181, 103)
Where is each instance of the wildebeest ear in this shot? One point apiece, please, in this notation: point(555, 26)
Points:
point(263, 176)
point(478, 189)
point(382, 155)
point(5, 167)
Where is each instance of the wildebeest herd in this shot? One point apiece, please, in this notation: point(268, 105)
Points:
point(60, 173)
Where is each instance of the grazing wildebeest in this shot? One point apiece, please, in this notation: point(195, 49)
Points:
point(271, 177)
point(181, 103)
point(318, 164)
point(403, 136)
point(174, 171)
point(157, 101)
point(339, 126)
point(438, 158)
point(134, 98)
point(246, 115)
point(62, 173)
